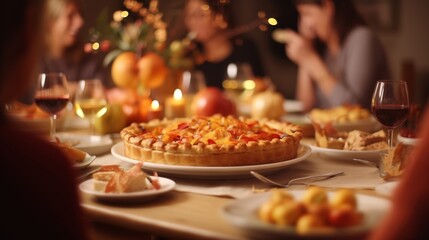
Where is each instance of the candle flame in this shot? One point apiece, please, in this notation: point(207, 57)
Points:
point(154, 105)
point(272, 21)
point(177, 94)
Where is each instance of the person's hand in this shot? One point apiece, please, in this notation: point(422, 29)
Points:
point(298, 48)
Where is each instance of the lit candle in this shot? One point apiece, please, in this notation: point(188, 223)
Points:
point(175, 106)
point(155, 111)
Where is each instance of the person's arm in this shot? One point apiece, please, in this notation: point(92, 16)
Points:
point(362, 64)
point(409, 212)
point(300, 51)
point(305, 90)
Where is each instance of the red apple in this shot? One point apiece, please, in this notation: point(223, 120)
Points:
point(210, 101)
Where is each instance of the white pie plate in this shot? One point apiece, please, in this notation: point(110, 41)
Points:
point(92, 144)
point(213, 172)
point(372, 155)
point(166, 186)
point(86, 162)
point(243, 214)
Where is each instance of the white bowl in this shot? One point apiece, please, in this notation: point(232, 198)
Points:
point(408, 141)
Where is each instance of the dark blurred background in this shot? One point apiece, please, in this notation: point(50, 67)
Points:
point(401, 25)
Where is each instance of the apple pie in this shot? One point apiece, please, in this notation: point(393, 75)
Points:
point(212, 141)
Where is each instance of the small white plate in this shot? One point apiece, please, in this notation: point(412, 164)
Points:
point(86, 162)
point(291, 105)
point(408, 141)
point(166, 186)
point(387, 188)
point(213, 172)
point(92, 144)
point(243, 213)
point(372, 155)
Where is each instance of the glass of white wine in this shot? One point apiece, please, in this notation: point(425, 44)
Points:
point(239, 81)
point(90, 101)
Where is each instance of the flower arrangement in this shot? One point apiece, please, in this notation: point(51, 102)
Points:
point(140, 29)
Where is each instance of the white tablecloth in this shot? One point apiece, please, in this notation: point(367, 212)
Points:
point(356, 176)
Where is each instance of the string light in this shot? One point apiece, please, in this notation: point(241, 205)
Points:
point(95, 46)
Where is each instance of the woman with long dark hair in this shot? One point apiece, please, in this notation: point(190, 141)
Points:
point(210, 22)
point(339, 58)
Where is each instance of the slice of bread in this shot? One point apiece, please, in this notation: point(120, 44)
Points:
point(395, 160)
point(101, 179)
point(359, 140)
point(118, 181)
point(74, 155)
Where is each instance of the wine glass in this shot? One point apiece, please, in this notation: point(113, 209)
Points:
point(90, 101)
point(192, 82)
point(52, 96)
point(239, 82)
point(390, 105)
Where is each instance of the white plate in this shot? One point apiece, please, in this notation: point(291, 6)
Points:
point(86, 162)
point(166, 186)
point(243, 214)
point(291, 105)
point(372, 155)
point(213, 172)
point(387, 188)
point(92, 144)
point(407, 140)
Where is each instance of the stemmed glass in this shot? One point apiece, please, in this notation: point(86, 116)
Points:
point(192, 82)
point(90, 101)
point(239, 80)
point(390, 105)
point(52, 96)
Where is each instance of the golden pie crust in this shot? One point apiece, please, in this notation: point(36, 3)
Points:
point(212, 141)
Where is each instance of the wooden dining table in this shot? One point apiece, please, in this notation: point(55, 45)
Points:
point(194, 209)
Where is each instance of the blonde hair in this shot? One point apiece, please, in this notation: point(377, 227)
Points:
point(54, 8)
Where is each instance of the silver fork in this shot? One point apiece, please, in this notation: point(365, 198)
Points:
point(367, 162)
point(295, 180)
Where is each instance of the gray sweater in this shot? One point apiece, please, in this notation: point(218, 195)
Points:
point(359, 65)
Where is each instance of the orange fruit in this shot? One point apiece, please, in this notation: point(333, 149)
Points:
point(125, 71)
point(152, 70)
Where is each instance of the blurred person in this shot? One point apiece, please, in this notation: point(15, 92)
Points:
point(209, 22)
point(339, 58)
point(40, 198)
point(63, 50)
point(408, 214)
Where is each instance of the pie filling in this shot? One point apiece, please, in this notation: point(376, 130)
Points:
point(212, 141)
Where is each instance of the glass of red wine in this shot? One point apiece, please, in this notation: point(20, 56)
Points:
point(390, 105)
point(52, 96)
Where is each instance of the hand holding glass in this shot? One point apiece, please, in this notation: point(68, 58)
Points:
point(90, 101)
point(52, 96)
point(390, 105)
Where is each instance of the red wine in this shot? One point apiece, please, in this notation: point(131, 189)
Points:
point(51, 105)
point(390, 116)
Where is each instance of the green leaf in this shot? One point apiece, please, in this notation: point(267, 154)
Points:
point(111, 56)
